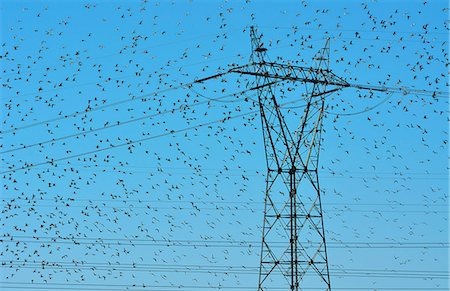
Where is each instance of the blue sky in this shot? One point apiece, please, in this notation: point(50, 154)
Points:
point(182, 209)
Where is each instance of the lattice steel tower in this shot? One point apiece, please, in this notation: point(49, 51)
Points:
point(293, 240)
point(293, 249)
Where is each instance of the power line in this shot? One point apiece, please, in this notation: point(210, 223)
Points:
point(143, 286)
point(131, 142)
point(167, 67)
point(229, 208)
point(213, 241)
point(103, 168)
point(198, 269)
point(199, 207)
point(207, 266)
point(121, 123)
point(362, 111)
point(127, 200)
point(208, 243)
point(88, 110)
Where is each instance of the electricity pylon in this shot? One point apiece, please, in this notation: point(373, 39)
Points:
point(293, 236)
point(293, 248)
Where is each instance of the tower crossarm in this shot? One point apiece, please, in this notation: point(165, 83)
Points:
point(291, 73)
point(287, 72)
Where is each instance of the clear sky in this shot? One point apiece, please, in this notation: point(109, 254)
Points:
point(120, 174)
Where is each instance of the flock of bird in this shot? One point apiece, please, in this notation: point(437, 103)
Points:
point(122, 172)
